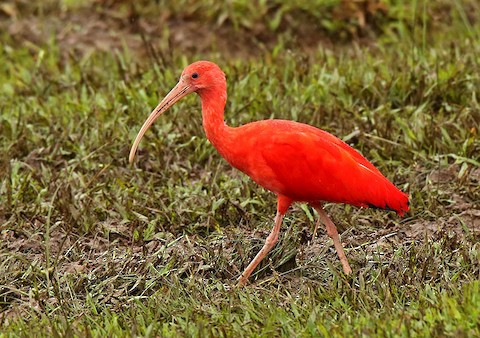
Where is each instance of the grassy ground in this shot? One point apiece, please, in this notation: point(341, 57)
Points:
point(91, 246)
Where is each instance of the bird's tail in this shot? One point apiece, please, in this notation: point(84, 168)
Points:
point(391, 198)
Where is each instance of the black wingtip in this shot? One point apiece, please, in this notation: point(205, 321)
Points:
point(386, 207)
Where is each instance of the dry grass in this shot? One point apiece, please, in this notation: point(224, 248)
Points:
point(92, 246)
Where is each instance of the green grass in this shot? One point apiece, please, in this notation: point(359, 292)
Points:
point(91, 246)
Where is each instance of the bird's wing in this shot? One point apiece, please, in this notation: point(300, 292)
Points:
point(310, 164)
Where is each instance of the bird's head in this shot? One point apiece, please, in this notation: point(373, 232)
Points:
point(202, 75)
point(199, 77)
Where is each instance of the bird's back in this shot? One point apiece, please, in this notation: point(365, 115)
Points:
point(308, 164)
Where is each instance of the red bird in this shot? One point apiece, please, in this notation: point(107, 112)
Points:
point(298, 162)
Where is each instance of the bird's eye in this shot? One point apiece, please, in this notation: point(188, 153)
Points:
point(194, 75)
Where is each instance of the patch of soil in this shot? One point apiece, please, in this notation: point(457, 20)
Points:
point(102, 27)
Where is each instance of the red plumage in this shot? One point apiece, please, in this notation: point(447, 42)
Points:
point(307, 164)
point(296, 161)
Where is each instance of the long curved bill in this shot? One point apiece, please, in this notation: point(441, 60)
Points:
point(180, 90)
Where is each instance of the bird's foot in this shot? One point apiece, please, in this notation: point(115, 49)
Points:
point(346, 267)
point(242, 280)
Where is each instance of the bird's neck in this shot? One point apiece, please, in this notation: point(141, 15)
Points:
point(216, 130)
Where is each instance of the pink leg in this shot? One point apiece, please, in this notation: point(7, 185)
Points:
point(269, 243)
point(282, 206)
point(333, 233)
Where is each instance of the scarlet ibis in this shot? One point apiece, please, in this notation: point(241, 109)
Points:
point(296, 161)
